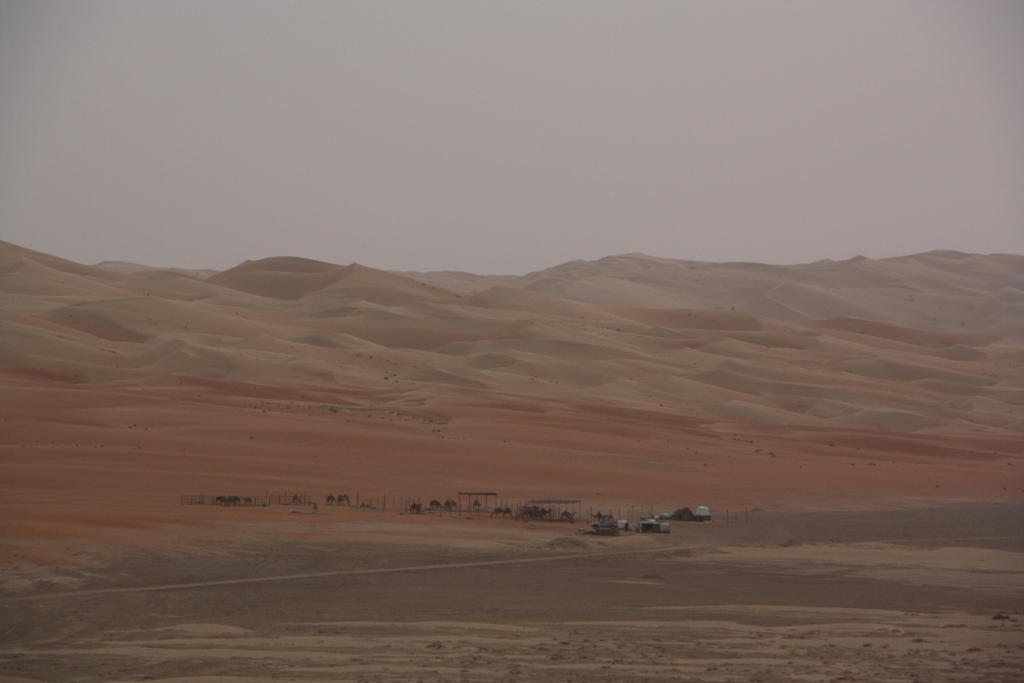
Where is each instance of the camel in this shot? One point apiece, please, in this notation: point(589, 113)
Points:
point(450, 505)
point(416, 508)
point(434, 505)
point(477, 505)
point(343, 499)
point(247, 500)
point(330, 499)
point(534, 511)
point(313, 505)
point(296, 499)
point(567, 516)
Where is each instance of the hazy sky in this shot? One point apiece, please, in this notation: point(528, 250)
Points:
point(505, 137)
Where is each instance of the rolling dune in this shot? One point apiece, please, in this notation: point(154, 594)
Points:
point(629, 380)
point(940, 291)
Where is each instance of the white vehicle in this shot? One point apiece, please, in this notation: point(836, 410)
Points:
point(702, 514)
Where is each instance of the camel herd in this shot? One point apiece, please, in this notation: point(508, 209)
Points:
point(541, 513)
point(524, 513)
point(436, 506)
point(232, 500)
point(263, 501)
point(603, 523)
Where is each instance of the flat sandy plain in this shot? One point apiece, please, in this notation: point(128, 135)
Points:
point(862, 422)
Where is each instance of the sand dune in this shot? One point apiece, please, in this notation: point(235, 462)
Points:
point(875, 409)
point(678, 318)
point(290, 278)
point(22, 275)
point(504, 298)
point(138, 268)
point(626, 380)
point(939, 291)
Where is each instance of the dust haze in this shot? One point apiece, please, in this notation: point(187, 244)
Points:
point(276, 277)
point(854, 428)
point(508, 137)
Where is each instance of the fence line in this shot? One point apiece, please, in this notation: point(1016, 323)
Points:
point(551, 509)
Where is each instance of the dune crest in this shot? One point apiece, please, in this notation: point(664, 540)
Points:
point(938, 291)
point(629, 378)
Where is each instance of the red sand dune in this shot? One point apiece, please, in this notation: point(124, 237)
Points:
point(630, 380)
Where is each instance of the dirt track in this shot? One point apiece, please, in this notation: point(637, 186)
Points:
point(861, 596)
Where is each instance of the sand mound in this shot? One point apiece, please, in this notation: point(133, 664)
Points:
point(899, 371)
point(291, 279)
point(170, 285)
point(566, 543)
point(27, 276)
point(279, 278)
point(1016, 425)
point(128, 268)
point(683, 319)
point(100, 320)
point(905, 335)
point(395, 330)
point(490, 361)
point(433, 376)
point(888, 420)
point(13, 253)
point(282, 264)
point(336, 341)
point(937, 291)
point(368, 284)
point(509, 299)
point(139, 319)
point(812, 301)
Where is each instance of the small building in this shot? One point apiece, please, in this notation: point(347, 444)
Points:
point(653, 526)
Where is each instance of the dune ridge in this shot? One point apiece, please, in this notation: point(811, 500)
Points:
point(942, 291)
point(579, 381)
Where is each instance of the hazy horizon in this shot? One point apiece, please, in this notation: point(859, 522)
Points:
point(113, 263)
point(504, 138)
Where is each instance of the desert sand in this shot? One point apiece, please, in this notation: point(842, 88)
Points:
point(857, 429)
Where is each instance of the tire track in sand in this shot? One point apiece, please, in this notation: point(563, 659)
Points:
point(319, 575)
